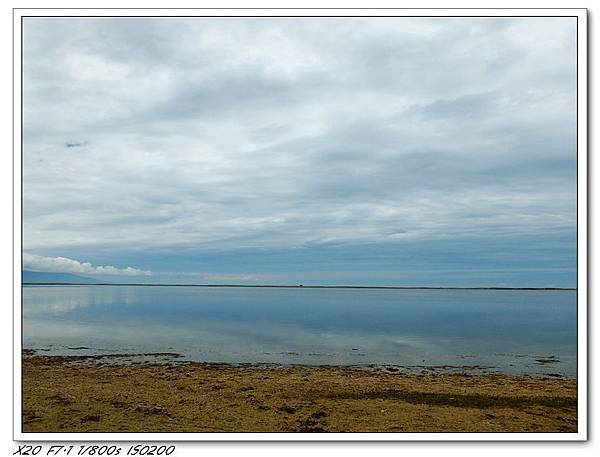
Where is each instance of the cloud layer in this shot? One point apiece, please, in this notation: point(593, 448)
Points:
point(205, 134)
point(65, 265)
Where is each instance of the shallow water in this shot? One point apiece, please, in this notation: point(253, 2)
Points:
point(510, 331)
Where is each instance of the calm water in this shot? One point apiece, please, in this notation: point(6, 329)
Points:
point(508, 331)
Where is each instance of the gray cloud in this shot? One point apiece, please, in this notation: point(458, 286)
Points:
point(292, 132)
point(74, 144)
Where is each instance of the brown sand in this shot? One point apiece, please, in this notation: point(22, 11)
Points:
point(59, 396)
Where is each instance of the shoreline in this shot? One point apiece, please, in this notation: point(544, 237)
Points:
point(79, 393)
point(297, 286)
point(94, 356)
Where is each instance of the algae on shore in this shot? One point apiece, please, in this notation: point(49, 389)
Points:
point(197, 397)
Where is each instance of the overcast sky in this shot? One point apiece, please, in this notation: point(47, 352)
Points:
point(301, 150)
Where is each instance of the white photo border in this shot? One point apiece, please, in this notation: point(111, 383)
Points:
point(582, 224)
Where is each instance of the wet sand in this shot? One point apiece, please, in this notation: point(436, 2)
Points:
point(75, 394)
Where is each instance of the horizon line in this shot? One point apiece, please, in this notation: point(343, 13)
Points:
point(297, 286)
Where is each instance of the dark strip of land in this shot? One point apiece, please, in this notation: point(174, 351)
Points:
point(291, 286)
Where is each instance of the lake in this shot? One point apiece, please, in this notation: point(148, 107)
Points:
point(510, 331)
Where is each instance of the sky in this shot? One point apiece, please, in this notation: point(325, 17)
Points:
point(371, 151)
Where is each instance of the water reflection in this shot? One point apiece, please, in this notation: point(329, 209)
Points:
point(409, 327)
point(41, 300)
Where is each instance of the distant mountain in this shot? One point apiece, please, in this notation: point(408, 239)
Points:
point(35, 277)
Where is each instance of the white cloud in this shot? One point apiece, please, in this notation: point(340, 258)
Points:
point(65, 265)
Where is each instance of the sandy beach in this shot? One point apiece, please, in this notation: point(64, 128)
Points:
point(75, 394)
